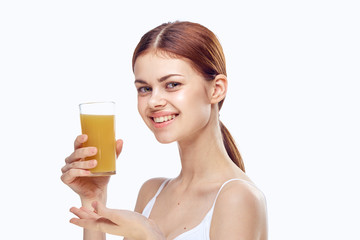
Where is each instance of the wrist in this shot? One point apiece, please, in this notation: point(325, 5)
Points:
point(86, 202)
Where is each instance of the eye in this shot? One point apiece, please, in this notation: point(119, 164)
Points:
point(172, 85)
point(143, 90)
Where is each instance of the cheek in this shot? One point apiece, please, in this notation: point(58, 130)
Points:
point(196, 104)
point(141, 106)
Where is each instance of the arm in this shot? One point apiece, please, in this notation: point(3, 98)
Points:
point(131, 225)
point(240, 213)
point(90, 234)
point(76, 174)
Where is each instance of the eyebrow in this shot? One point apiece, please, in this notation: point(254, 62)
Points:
point(162, 79)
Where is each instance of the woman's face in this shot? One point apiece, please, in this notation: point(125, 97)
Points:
point(173, 98)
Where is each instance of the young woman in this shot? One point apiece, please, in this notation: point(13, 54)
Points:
point(180, 76)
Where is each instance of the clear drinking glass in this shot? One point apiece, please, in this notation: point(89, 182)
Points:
point(98, 122)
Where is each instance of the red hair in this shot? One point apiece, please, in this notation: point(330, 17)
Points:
point(198, 44)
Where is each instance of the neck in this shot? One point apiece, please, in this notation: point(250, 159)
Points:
point(203, 155)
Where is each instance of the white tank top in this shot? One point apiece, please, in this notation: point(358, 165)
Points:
point(202, 230)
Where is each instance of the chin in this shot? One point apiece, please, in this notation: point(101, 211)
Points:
point(164, 139)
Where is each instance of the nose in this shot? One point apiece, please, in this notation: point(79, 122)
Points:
point(156, 99)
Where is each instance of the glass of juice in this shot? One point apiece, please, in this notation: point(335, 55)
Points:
point(98, 122)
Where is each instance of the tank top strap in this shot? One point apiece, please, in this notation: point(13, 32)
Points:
point(148, 208)
point(222, 186)
point(161, 187)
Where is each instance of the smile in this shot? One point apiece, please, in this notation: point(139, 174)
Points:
point(164, 118)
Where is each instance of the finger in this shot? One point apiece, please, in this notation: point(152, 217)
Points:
point(81, 153)
point(80, 213)
point(80, 140)
point(101, 224)
point(69, 176)
point(90, 220)
point(119, 146)
point(85, 223)
point(120, 217)
point(90, 213)
point(84, 212)
point(79, 165)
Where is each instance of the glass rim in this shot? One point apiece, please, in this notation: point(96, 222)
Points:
point(100, 102)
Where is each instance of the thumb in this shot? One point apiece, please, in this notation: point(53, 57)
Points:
point(99, 208)
point(104, 212)
point(119, 145)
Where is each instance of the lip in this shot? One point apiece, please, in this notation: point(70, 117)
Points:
point(162, 114)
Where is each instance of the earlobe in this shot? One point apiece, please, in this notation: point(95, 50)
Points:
point(219, 88)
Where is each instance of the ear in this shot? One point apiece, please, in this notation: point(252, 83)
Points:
point(219, 88)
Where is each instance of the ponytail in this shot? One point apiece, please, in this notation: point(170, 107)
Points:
point(231, 148)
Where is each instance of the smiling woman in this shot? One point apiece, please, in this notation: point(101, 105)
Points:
point(199, 47)
point(180, 76)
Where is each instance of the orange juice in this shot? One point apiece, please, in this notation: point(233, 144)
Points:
point(101, 134)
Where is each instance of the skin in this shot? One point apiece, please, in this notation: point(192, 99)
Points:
point(171, 87)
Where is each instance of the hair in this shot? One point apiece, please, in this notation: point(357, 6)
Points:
point(199, 45)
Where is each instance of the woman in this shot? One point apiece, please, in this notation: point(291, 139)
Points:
point(180, 76)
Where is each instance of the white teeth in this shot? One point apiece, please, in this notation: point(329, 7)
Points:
point(164, 118)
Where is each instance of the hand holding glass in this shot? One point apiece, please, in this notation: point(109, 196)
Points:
point(98, 122)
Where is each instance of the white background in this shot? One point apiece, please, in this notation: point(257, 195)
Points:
point(292, 106)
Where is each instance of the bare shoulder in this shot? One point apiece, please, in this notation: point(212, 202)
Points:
point(147, 192)
point(244, 192)
point(240, 210)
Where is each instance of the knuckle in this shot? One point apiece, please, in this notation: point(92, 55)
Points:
point(71, 165)
point(84, 152)
point(84, 164)
point(77, 165)
point(78, 139)
point(70, 158)
point(63, 178)
point(78, 153)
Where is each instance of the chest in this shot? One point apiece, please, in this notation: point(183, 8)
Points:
point(179, 214)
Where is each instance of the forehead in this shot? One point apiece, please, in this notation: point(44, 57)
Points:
point(156, 64)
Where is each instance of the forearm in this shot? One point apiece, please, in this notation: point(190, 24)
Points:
point(91, 234)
